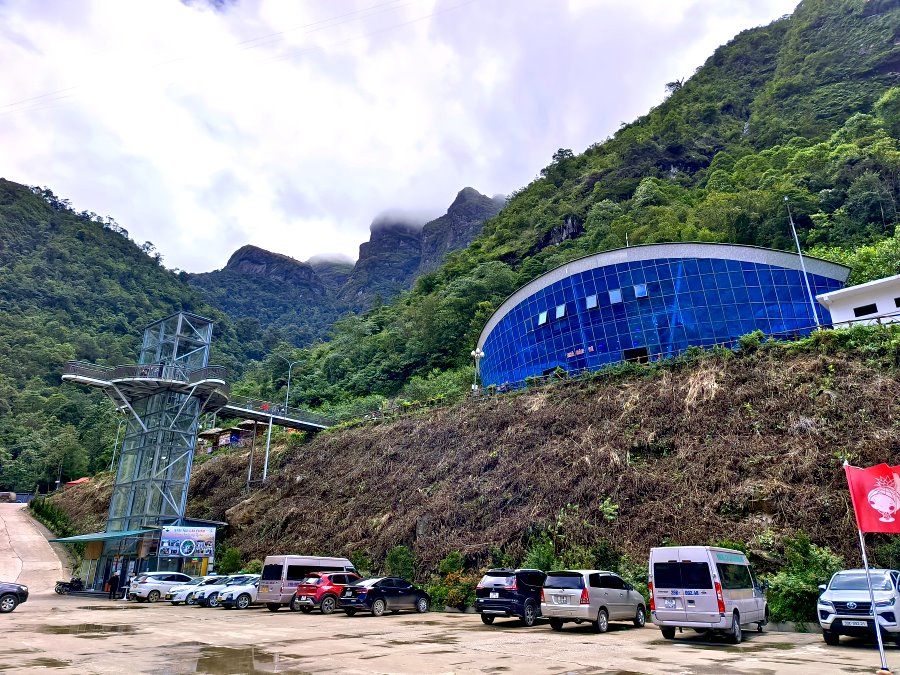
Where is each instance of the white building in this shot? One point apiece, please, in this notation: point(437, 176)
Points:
point(873, 302)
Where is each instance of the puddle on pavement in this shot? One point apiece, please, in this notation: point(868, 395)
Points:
point(97, 608)
point(427, 640)
point(743, 648)
point(89, 630)
point(235, 660)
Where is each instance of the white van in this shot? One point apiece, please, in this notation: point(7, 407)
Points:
point(705, 588)
point(283, 573)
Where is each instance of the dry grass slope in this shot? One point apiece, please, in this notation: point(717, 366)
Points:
point(737, 448)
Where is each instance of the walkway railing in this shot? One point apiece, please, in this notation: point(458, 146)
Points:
point(155, 371)
point(279, 410)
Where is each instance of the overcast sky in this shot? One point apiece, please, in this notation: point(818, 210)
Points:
point(203, 126)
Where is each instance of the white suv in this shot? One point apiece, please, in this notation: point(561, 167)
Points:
point(845, 608)
point(239, 597)
point(151, 586)
point(209, 595)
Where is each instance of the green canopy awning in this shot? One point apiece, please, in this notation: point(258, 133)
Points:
point(102, 536)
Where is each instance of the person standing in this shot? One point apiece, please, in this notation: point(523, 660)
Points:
point(114, 586)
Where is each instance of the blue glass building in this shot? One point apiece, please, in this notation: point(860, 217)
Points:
point(649, 302)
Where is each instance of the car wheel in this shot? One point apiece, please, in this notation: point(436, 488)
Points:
point(212, 602)
point(601, 625)
point(350, 611)
point(294, 605)
point(641, 617)
point(831, 638)
point(422, 605)
point(668, 632)
point(556, 624)
point(189, 599)
point(378, 607)
point(175, 603)
point(487, 619)
point(153, 596)
point(273, 606)
point(8, 603)
point(243, 601)
point(735, 635)
point(529, 615)
point(329, 604)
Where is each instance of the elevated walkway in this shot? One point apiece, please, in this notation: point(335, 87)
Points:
point(125, 383)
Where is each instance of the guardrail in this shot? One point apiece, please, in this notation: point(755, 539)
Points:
point(155, 371)
point(279, 410)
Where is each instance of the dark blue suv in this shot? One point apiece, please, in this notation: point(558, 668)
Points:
point(510, 593)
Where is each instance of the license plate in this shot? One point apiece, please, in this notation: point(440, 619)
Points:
point(561, 599)
point(860, 624)
point(669, 604)
point(168, 596)
point(495, 595)
point(303, 597)
point(265, 589)
point(347, 594)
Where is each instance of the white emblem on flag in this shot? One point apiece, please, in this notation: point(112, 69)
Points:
point(885, 497)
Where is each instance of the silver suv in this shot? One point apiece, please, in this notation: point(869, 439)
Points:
point(845, 608)
point(593, 596)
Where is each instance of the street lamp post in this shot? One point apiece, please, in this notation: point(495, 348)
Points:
point(291, 365)
point(477, 355)
point(812, 300)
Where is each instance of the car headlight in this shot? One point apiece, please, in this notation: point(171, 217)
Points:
point(885, 603)
point(24, 589)
point(826, 603)
point(228, 597)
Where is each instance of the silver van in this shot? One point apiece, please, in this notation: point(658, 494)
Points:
point(590, 596)
point(705, 588)
point(283, 573)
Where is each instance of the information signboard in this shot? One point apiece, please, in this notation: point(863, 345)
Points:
point(187, 542)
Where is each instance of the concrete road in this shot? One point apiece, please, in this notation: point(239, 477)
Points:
point(72, 635)
point(25, 555)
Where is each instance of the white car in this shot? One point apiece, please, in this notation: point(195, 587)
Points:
point(151, 586)
point(239, 597)
point(208, 596)
point(185, 592)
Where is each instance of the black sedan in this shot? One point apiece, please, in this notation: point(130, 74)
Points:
point(11, 596)
point(380, 594)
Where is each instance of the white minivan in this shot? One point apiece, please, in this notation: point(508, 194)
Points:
point(705, 588)
point(283, 573)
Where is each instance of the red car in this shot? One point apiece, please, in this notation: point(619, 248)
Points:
point(322, 590)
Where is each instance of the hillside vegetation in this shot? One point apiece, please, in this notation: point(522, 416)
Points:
point(806, 108)
point(745, 448)
point(73, 286)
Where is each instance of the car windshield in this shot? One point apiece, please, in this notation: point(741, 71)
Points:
point(856, 581)
point(193, 582)
point(564, 581)
point(312, 581)
point(497, 580)
point(368, 583)
point(238, 581)
point(209, 582)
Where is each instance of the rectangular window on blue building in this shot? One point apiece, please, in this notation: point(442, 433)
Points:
point(561, 312)
point(615, 295)
point(591, 303)
point(640, 291)
point(542, 319)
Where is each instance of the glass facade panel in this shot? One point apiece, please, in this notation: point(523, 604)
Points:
point(663, 305)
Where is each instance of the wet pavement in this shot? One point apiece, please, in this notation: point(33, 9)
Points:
point(62, 634)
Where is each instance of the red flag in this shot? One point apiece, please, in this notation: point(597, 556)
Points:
point(876, 497)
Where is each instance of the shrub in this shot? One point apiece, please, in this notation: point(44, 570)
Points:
point(453, 562)
point(456, 589)
point(541, 555)
point(230, 561)
point(255, 566)
point(362, 562)
point(794, 590)
point(751, 342)
point(401, 562)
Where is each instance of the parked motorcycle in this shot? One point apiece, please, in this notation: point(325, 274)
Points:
point(73, 584)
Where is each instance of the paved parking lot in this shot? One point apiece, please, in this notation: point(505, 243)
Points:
point(68, 634)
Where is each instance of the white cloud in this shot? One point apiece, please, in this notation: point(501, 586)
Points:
point(291, 125)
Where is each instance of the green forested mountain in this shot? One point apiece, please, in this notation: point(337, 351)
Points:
point(806, 108)
point(73, 286)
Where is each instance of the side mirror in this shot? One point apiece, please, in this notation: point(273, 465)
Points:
point(822, 587)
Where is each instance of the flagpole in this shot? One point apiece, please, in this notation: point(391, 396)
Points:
point(862, 548)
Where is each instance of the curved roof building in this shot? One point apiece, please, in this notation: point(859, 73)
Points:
point(649, 302)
